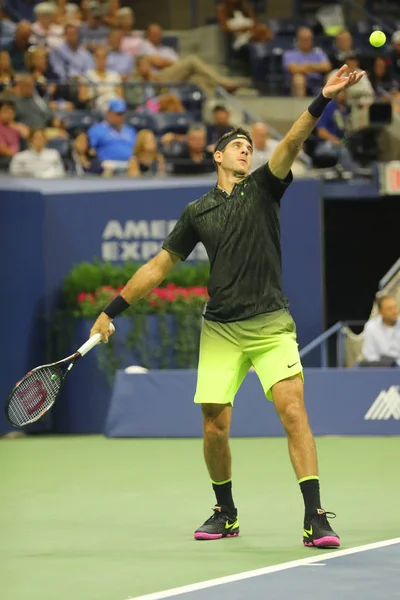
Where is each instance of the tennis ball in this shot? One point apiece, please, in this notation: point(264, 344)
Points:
point(53, 377)
point(377, 39)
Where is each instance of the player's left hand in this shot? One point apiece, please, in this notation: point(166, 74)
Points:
point(340, 81)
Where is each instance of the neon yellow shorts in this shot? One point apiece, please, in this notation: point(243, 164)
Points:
point(228, 350)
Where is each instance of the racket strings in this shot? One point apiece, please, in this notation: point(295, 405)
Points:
point(34, 395)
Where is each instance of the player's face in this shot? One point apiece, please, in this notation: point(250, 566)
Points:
point(390, 311)
point(237, 157)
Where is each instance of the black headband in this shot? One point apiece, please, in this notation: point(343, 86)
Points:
point(224, 142)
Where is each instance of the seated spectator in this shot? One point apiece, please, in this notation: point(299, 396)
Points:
point(117, 61)
point(237, 18)
point(263, 145)
point(343, 45)
point(10, 137)
point(83, 160)
point(331, 130)
point(37, 161)
point(70, 13)
point(358, 97)
point(221, 124)
point(131, 40)
point(7, 28)
point(70, 59)
point(45, 80)
point(394, 57)
point(305, 66)
point(112, 139)
point(93, 32)
point(31, 109)
point(160, 56)
point(18, 47)
point(45, 31)
point(109, 9)
point(146, 159)
point(380, 78)
point(57, 129)
point(7, 79)
point(101, 85)
point(194, 159)
point(382, 333)
point(137, 95)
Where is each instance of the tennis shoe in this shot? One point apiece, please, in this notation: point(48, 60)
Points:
point(318, 532)
point(222, 523)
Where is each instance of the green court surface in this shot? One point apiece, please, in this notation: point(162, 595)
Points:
point(87, 518)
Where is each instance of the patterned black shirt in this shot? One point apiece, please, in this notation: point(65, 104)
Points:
point(241, 234)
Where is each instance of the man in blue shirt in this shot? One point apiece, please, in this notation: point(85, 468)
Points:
point(71, 59)
point(331, 132)
point(305, 66)
point(112, 139)
point(116, 60)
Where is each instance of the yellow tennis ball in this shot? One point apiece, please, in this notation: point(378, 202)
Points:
point(377, 39)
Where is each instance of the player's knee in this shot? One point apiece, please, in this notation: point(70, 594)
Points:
point(293, 415)
point(215, 428)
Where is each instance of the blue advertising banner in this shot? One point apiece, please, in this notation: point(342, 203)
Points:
point(338, 401)
point(47, 227)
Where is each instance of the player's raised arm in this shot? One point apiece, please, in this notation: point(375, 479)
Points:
point(148, 277)
point(285, 153)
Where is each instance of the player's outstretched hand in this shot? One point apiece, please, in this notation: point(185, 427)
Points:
point(340, 81)
point(103, 326)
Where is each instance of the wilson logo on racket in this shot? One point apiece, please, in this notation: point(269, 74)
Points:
point(35, 392)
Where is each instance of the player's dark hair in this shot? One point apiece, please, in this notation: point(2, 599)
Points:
point(233, 131)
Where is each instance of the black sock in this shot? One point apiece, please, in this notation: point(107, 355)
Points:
point(223, 494)
point(310, 490)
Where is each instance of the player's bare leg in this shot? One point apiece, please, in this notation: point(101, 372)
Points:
point(217, 454)
point(288, 396)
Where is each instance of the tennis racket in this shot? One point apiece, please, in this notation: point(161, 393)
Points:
point(36, 393)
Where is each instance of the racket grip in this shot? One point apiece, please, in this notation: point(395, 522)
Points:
point(91, 343)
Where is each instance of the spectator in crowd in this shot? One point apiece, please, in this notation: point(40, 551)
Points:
point(394, 57)
point(382, 333)
point(263, 145)
point(194, 159)
point(19, 45)
point(305, 66)
point(146, 159)
point(137, 95)
point(94, 32)
point(45, 79)
point(70, 59)
point(331, 129)
point(112, 139)
point(83, 160)
point(70, 14)
point(131, 39)
point(31, 109)
point(45, 31)
point(7, 78)
point(380, 78)
point(237, 18)
point(101, 85)
point(221, 124)
point(160, 56)
point(342, 46)
point(10, 137)
point(358, 97)
point(37, 161)
point(117, 61)
point(57, 129)
point(7, 28)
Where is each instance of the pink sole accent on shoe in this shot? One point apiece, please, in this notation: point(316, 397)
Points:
point(212, 536)
point(324, 542)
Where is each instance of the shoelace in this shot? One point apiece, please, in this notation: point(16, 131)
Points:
point(217, 515)
point(324, 517)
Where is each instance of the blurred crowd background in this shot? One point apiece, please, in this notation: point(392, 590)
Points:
point(110, 87)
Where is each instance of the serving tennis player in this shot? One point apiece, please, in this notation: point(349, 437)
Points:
point(247, 322)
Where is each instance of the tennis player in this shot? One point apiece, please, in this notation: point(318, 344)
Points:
point(247, 322)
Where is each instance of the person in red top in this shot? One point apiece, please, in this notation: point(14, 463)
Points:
point(9, 134)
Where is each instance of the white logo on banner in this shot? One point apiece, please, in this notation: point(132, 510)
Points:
point(386, 405)
point(139, 241)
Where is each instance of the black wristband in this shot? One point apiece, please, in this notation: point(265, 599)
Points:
point(318, 105)
point(116, 307)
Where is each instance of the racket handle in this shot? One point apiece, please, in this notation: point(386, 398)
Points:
point(91, 343)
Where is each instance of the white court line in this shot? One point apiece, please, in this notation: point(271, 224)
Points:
point(202, 585)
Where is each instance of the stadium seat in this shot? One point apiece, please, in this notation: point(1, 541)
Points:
point(172, 122)
point(60, 144)
point(140, 120)
point(172, 41)
point(192, 98)
point(78, 119)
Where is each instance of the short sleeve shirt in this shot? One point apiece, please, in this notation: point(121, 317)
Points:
point(241, 234)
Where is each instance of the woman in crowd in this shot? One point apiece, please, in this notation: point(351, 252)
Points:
point(6, 72)
point(102, 85)
point(146, 159)
point(83, 160)
point(37, 161)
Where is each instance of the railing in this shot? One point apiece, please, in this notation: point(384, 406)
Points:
point(321, 342)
